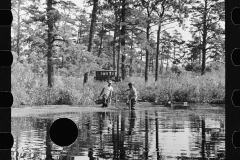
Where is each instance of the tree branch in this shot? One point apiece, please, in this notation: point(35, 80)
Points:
point(166, 29)
point(163, 8)
point(60, 2)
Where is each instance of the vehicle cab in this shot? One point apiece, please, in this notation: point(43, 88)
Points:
point(104, 75)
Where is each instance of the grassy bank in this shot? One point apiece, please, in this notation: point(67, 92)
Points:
point(29, 88)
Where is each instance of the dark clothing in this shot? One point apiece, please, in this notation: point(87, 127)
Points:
point(133, 102)
point(90, 155)
point(105, 101)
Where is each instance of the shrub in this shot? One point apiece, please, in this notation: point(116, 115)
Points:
point(31, 89)
point(196, 67)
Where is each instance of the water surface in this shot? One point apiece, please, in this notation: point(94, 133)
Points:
point(152, 133)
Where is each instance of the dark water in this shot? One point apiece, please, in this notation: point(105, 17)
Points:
point(152, 133)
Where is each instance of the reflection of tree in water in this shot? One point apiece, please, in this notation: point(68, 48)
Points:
point(131, 145)
point(157, 139)
point(104, 138)
point(48, 141)
point(209, 144)
point(16, 145)
point(215, 138)
point(88, 126)
point(132, 120)
point(203, 138)
point(117, 140)
point(117, 133)
point(25, 127)
point(146, 134)
point(100, 123)
point(127, 136)
point(122, 137)
point(194, 123)
point(90, 154)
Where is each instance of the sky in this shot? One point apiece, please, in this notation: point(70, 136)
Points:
point(185, 34)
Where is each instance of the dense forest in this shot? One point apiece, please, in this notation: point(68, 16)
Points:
point(58, 45)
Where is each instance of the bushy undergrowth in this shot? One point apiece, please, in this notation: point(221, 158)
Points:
point(188, 86)
point(29, 88)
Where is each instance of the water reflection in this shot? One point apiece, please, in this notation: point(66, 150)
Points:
point(157, 140)
point(140, 134)
point(203, 139)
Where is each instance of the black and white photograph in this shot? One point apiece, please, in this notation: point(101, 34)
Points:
point(118, 80)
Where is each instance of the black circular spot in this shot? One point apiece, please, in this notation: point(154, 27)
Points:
point(235, 16)
point(236, 56)
point(236, 139)
point(6, 17)
point(6, 140)
point(8, 99)
point(235, 98)
point(6, 58)
point(63, 132)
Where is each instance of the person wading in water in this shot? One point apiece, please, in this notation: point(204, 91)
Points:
point(132, 97)
point(106, 94)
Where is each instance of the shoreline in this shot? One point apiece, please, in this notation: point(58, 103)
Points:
point(58, 109)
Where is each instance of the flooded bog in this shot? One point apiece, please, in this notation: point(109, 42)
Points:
point(151, 133)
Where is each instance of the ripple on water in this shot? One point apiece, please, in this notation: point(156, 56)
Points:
point(165, 133)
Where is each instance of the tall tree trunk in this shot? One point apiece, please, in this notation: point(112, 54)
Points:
point(79, 34)
point(204, 38)
point(131, 59)
point(119, 51)
point(123, 34)
point(18, 29)
point(50, 45)
point(141, 61)
point(200, 57)
point(149, 64)
point(118, 60)
point(131, 67)
point(114, 37)
point(62, 61)
point(92, 29)
point(123, 66)
point(173, 51)
point(152, 64)
point(157, 56)
point(167, 65)
point(100, 45)
point(161, 66)
point(147, 53)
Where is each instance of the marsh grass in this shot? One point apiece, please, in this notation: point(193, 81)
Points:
point(29, 88)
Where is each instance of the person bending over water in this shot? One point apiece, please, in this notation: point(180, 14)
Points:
point(132, 97)
point(106, 94)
